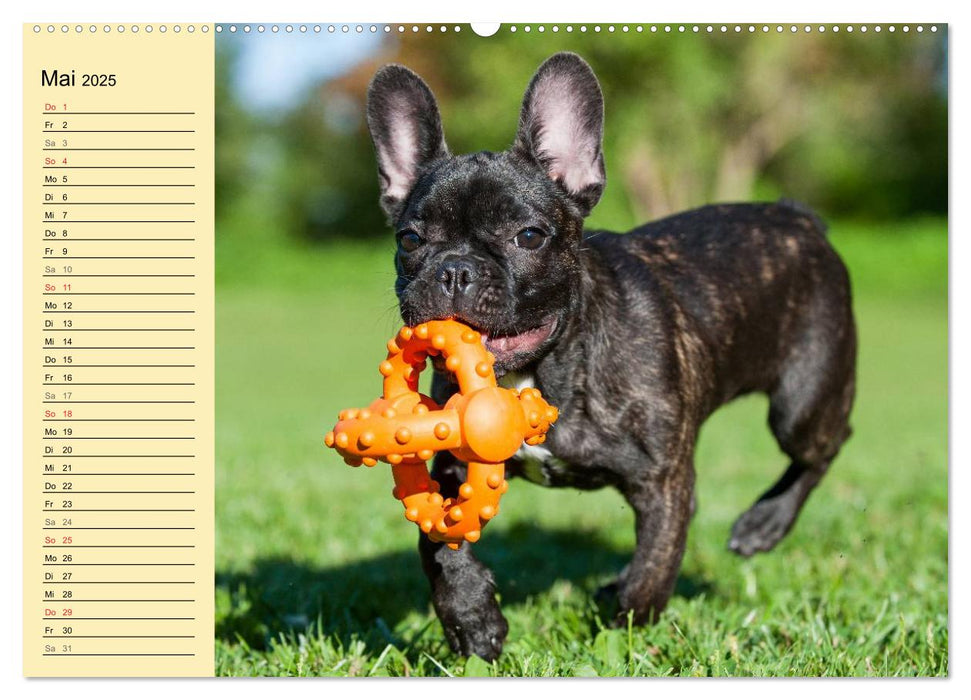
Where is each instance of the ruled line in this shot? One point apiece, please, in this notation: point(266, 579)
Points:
point(73, 365)
point(119, 618)
point(107, 654)
point(118, 167)
point(115, 204)
point(122, 600)
point(118, 636)
point(117, 438)
point(72, 238)
point(118, 384)
point(118, 149)
point(119, 311)
point(56, 113)
point(132, 275)
point(118, 131)
point(126, 563)
point(72, 329)
point(102, 401)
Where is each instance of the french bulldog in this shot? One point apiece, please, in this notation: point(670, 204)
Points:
point(636, 338)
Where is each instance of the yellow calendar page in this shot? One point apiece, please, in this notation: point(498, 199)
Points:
point(118, 350)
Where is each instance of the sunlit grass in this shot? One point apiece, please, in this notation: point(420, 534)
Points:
point(317, 572)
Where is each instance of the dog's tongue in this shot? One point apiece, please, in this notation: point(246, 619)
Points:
point(505, 345)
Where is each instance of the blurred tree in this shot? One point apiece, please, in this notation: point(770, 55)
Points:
point(234, 131)
point(853, 124)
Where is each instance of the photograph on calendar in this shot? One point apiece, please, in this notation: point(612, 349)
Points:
point(581, 350)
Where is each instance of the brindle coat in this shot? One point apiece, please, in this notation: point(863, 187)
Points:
point(680, 316)
point(653, 329)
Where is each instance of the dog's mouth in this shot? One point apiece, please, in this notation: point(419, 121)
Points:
point(512, 350)
point(507, 346)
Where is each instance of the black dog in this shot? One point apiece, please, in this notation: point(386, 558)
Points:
point(637, 338)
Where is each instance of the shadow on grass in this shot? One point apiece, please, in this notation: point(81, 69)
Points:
point(365, 599)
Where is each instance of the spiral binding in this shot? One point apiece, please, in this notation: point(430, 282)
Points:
point(512, 28)
point(122, 28)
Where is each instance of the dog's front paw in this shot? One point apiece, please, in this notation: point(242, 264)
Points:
point(480, 630)
point(607, 599)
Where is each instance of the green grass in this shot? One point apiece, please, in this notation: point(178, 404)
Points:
point(317, 572)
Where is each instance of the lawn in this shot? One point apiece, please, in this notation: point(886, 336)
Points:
point(317, 572)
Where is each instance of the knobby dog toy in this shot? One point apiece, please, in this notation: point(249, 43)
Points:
point(483, 425)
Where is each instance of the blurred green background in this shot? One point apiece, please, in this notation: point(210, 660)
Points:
point(316, 567)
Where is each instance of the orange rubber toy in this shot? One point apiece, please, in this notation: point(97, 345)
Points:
point(483, 424)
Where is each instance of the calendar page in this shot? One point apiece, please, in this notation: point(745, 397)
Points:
point(525, 349)
point(119, 331)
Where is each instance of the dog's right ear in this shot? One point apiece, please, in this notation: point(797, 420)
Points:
point(406, 129)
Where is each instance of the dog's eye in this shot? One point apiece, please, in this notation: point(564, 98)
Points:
point(409, 240)
point(530, 238)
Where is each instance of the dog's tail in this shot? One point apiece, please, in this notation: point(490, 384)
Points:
point(805, 210)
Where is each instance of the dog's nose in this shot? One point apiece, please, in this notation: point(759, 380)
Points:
point(456, 276)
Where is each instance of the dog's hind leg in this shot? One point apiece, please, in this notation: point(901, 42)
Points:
point(662, 506)
point(808, 414)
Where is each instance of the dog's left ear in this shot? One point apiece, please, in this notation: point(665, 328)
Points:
point(561, 127)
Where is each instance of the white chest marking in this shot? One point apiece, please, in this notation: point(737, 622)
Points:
point(533, 457)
